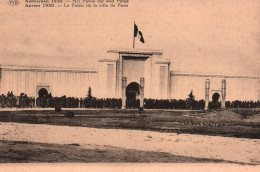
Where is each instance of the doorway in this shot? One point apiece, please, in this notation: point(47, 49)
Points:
point(133, 95)
point(42, 93)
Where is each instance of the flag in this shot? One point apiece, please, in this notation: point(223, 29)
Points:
point(138, 33)
point(141, 36)
point(135, 30)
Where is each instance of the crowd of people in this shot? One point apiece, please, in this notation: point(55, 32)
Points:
point(242, 104)
point(173, 104)
point(102, 103)
point(22, 101)
point(72, 102)
point(48, 101)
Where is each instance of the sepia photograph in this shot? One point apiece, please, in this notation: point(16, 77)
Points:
point(112, 85)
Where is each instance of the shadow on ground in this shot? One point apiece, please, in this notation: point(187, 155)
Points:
point(24, 152)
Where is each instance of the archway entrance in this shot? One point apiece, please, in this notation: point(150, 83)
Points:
point(133, 95)
point(215, 104)
point(215, 97)
point(218, 98)
point(42, 92)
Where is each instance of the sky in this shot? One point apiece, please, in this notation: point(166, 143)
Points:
point(214, 36)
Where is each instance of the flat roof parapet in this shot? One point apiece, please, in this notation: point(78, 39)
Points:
point(47, 68)
point(177, 73)
point(136, 51)
point(107, 60)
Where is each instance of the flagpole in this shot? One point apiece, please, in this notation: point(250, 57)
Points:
point(134, 36)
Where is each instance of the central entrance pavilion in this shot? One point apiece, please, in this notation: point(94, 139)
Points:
point(135, 74)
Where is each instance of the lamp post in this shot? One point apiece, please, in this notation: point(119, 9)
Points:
point(124, 83)
point(142, 92)
point(223, 93)
point(207, 86)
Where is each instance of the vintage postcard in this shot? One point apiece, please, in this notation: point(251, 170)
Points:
point(121, 84)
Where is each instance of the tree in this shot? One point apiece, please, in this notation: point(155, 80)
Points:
point(190, 100)
point(191, 96)
point(89, 93)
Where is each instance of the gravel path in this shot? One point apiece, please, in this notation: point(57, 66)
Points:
point(200, 146)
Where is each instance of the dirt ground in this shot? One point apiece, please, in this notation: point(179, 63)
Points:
point(241, 123)
point(32, 140)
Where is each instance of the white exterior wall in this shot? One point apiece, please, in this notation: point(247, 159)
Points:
point(103, 78)
point(76, 83)
point(244, 88)
point(64, 82)
point(157, 93)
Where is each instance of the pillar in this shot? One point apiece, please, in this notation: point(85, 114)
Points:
point(124, 83)
point(223, 93)
point(34, 102)
point(142, 92)
point(207, 86)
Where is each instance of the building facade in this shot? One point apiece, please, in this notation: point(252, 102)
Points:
point(128, 74)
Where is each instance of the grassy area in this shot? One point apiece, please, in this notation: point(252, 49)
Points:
point(23, 152)
point(230, 122)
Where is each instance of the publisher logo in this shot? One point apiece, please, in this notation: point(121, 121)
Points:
point(13, 2)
